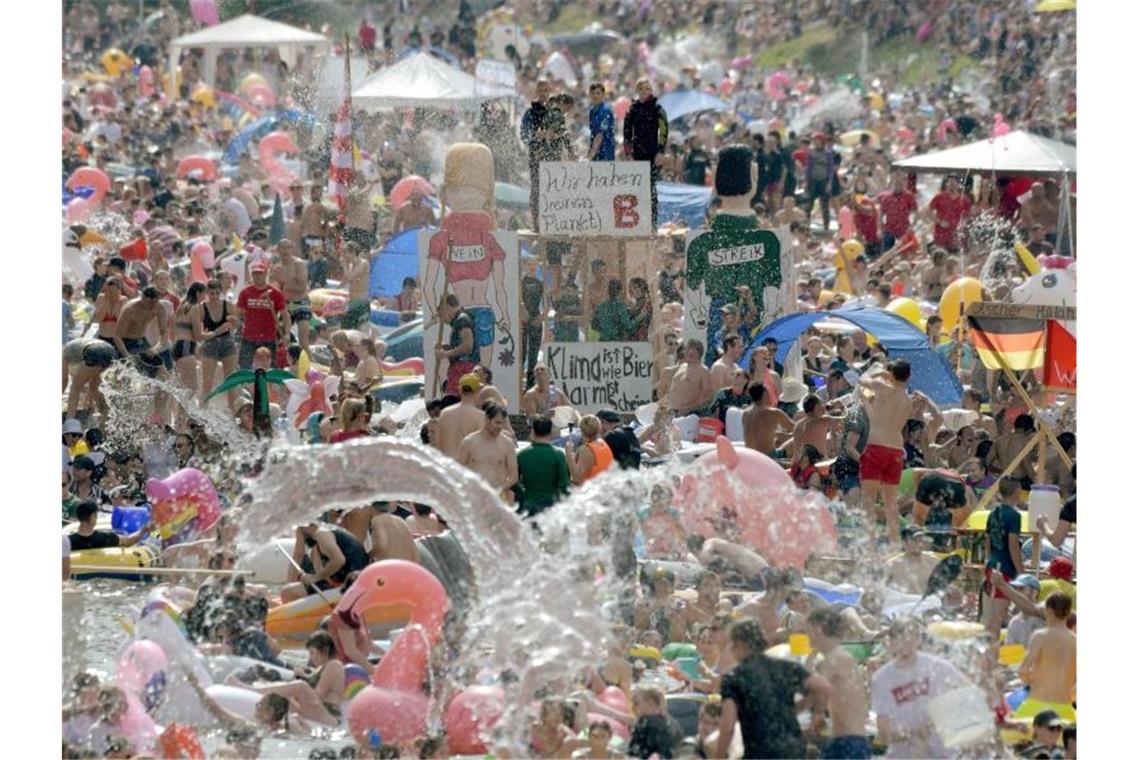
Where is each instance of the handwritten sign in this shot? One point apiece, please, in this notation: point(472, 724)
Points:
point(494, 79)
point(1004, 310)
point(598, 375)
point(594, 198)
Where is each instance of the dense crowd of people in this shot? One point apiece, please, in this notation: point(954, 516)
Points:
point(193, 280)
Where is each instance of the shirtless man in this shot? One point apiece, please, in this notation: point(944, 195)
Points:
point(488, 392)
point(356, 274)
point(491, 453)
point(130, 338)
point(778, 585)
point(314, 218)
point(1050, 664)
point(813, 429)
point(847, 704)
point(761, 422)
point(1007, 447)
point(701, 611)
point(717, 552)
point(725, 367)
point(391, 537)
point(543, 396)
point(291, 275)
point(1038, 209)
point(665, 364)
point(790, 213)
point(888, 408)
point(691, 389)
point(909, 572)
point(460, 420)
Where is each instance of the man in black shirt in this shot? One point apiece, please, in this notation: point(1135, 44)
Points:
point(760, 692)
point(86, 537)
point(940, 496)
point(543, 131)
point(696, 162)
point(532, 292)
point(621, 440)
point(645, 133)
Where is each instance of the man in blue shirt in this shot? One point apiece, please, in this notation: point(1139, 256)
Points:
point(601, 125)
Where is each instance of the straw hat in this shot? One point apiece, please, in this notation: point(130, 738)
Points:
point(792, 390)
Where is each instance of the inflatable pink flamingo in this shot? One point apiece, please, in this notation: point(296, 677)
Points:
point(394, 704)
point(268, 149)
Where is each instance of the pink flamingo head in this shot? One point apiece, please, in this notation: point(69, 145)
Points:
point(394, 703)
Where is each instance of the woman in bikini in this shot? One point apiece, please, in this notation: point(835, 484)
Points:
point(218, 347)
point(108, 306)
point(549, 737)
point(318, 692)
point(187, 335)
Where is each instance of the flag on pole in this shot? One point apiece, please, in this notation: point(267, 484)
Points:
point(341, 164)
point(1016, 343)
point(1060, 357)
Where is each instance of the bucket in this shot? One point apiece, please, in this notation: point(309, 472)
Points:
point(129, 519)
point(709, 429)
point(961, 717)
point(1044, 500)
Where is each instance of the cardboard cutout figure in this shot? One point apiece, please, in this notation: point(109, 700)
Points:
point(734, 252)
point(467, 259)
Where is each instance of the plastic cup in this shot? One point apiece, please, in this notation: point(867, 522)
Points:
point(800, 644)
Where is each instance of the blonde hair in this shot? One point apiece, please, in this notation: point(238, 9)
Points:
point(470, 165)
point(350, 410)
point(590, 426)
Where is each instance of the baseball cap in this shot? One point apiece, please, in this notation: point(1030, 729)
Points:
point(1061, 567)
point(259, 266)
point(1025, 580)
point(1048, 718)
point(73, 426)
point(608, 415)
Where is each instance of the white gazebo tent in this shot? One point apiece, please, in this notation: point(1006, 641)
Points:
point(420, 80)
point(1019, 152)
point(246, 31)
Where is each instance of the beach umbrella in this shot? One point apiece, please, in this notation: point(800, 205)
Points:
point(1055, 6)
point(590, 41)
point(681, 103)
point(277, 222)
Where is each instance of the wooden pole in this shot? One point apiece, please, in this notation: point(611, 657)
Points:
point(988, 496)
point(434, 390)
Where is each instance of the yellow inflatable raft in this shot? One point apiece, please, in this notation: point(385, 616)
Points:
point(115, 559)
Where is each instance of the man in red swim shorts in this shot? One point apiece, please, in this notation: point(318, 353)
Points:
point(883, 393)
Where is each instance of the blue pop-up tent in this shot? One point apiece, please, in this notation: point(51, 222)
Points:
point(689, 203)
point(396, 260)
point(929, 371)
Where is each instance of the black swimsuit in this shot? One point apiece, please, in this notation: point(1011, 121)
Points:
point(221, 346)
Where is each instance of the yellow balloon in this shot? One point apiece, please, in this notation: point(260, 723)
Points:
point(204, 97)
point(907, 308)
point(115, 61)
point(958, 295)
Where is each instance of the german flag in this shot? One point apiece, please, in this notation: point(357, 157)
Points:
point(1015, 343)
